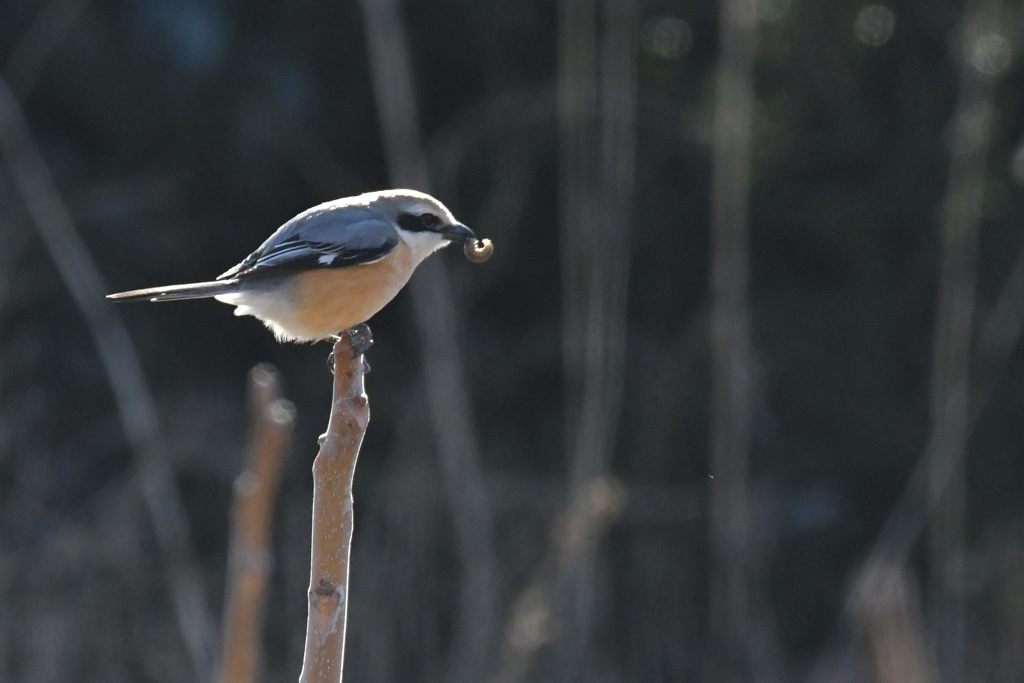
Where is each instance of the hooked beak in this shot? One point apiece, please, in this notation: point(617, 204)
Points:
point(457, 232)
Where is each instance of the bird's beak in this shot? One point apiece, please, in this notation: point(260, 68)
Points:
point(457, 232)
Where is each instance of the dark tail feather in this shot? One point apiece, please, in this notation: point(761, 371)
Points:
point(194, 290)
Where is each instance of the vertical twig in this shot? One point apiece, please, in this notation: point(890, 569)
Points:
point(533, 621)
point(953, 416)
point(40, 41)
point(730, 609)
point(333, 471)
point(998, 336)
point(579, 213)
point(999, 333)
point(249, 555)
point(1008, 595)
point(132, 396)
point(577, 100)
point(954, 321)
point(436, 317)
point(597, 162)
point(885, 602)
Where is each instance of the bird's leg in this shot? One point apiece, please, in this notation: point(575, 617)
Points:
point(335, 338)
point(361, 339)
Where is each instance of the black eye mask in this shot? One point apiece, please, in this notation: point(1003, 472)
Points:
point(423, 223)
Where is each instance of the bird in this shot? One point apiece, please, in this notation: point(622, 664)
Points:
point(331, 267)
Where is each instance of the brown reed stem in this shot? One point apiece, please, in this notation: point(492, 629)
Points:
point(249, 556)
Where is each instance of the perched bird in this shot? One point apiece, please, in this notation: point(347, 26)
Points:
point(331, 267)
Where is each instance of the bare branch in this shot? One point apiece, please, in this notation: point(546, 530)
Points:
point(731, 372)
point(37, 45)
point(436, 318)
point(133, 398)
point(533, 622)
point(596, 167)
point(927, 494)
point(972, 135)
point(249, 556)
point(888, 612)
point(951, 356)
point(333, 472)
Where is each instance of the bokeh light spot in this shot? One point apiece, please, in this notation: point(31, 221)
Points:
point(991, 54)
point(667, 37)
point(874, 25)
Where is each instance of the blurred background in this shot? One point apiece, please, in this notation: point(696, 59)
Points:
point(738, 397)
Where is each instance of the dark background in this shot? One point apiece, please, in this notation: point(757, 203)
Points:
point(771, 527)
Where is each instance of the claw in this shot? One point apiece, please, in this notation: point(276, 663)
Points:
point(361, 339)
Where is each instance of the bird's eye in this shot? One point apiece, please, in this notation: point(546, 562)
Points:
point(421, 223)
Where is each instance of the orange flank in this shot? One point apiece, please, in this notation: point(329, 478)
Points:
point(329, 300)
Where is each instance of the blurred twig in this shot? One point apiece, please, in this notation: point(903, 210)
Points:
point(998, 336)
point(928, 494)
point(533, 621)
point(579, 246)
point(333, 471)
point(436, 317)
point(14, 242)
point(1008, 599)
point(249, 554)
point(42, 38)
point(972, 134)
point(951, 356)
point(731, 372)
point(133, 398)
point(888, 612)
point(597, 169)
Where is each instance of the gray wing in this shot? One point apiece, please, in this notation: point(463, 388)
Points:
point(326, 236)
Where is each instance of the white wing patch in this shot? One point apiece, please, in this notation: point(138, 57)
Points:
point(327, 259)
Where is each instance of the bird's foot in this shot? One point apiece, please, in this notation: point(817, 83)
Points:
point(361, 339)
point(335, 338)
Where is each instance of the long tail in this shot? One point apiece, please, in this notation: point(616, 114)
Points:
point(193, 290)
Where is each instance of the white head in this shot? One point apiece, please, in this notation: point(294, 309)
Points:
point(422, 222)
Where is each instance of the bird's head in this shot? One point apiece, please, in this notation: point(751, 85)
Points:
point(423, 223)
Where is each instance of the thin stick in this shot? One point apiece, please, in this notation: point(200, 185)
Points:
point(40, 42)
point(598, 159)
point(333, 470)
point(249, 556)
point(887, 609)
point(950, 388)
point(133, 399)
point(437, 319)
point(731, 381)
point(534, 621)
point(926, 496)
